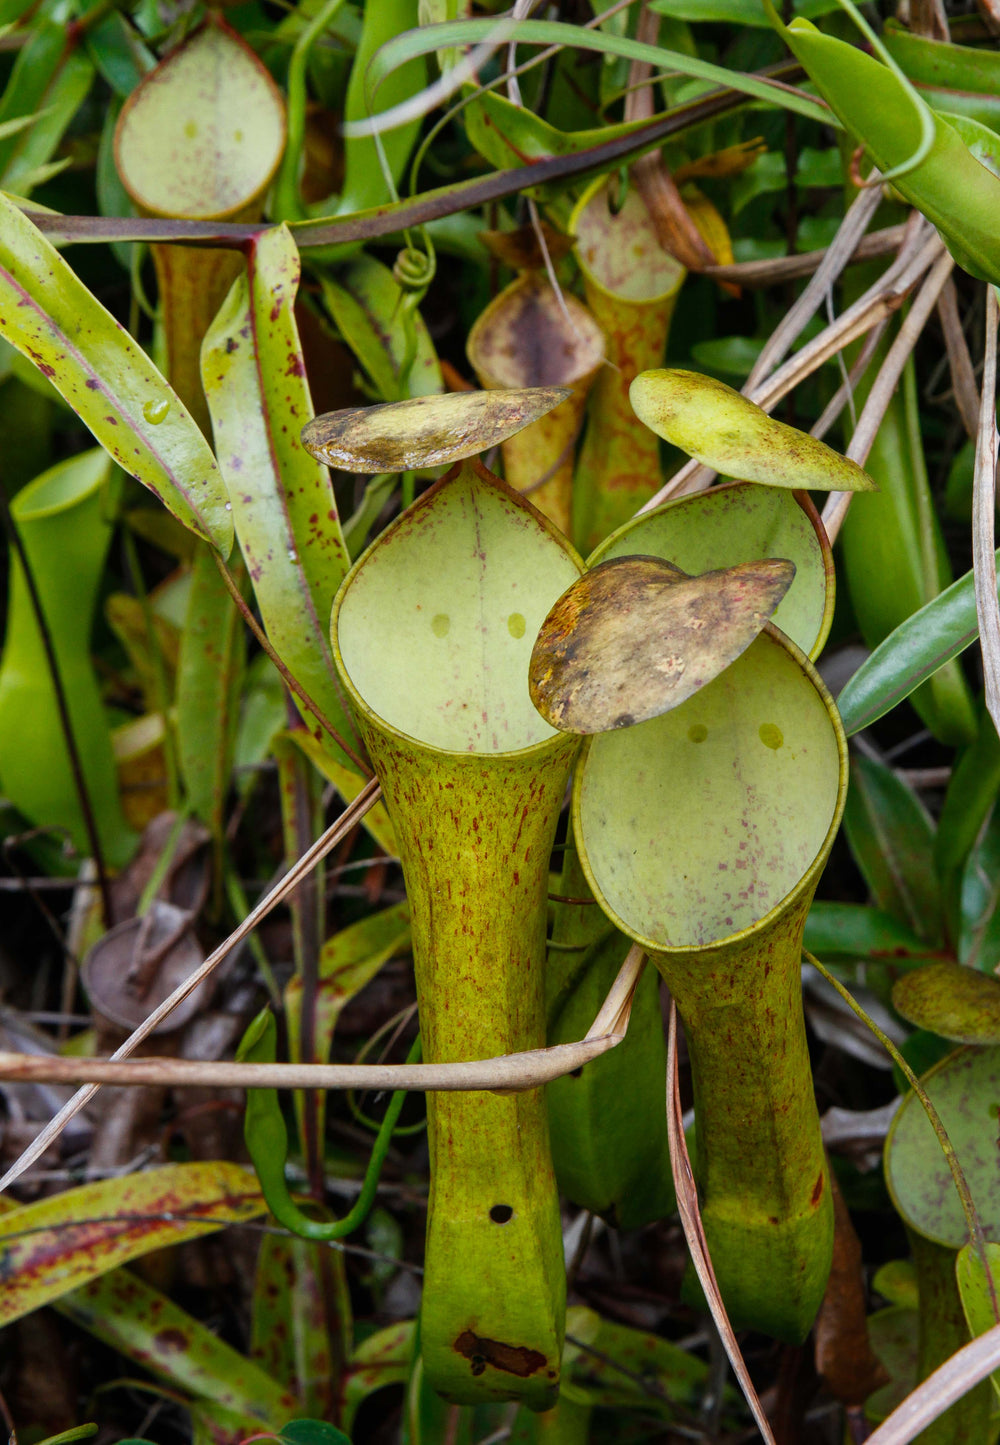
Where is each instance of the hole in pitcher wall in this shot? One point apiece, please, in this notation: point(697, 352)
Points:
point(501, 1213)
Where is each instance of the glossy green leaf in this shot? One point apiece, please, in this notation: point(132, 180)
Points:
point(312, 1432)
point(282, 500)
point(427, 431)
point(547, 32)
point(912, 653)
point(852, 931)
point(106, 377)
point(979, 1291)
point(365, 301)
point(210, 674)
point(959, 1003)
point(729, 433)
point(62, 518)
point(892, 839)
point(963, 1088)
point(506, 134)
point(950, 187)
point(301, 1320)
point(75, 1236)
point(146, 1326)
point(728, 525)
point(736, 12)
point(119, 53)
point(50, 81)
point(213, 109)
point(758, 757)
point(894, 555)
point(635, 637)
point(961, 79)
point(617, 1362)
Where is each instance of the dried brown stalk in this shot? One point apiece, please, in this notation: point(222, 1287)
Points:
point(984, 517)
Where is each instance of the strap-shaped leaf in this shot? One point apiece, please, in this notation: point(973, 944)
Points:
point(283, 504)
point(48, 314)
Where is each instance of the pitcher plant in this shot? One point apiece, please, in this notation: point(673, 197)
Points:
point(631, 285)
point(531, 336)
point(702, 708)
point(432, 631)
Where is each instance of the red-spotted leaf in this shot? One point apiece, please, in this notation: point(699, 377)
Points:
point(282, 501)
point(60, 1243)
point(48, 314)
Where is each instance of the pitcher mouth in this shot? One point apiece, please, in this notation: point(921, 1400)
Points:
point(717, 868)
point(433, 626)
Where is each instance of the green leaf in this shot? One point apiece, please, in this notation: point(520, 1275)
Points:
point(210, 672)
point(57, 1244)
point(892, 839)
point(729, 433)
point(146, 1326)
point(312, 1432)
point(282, 501)
point(912, 653)
point(851, 931)
point(547, 32)
point(736, 12)
point(979, 932)
point(50, 80)
point(301, 1319)
point(384, 1358)
point(979, 1292)
point(117, 50)
point(48, 314)
point(894, 554)
point(949, 186)
point(365, 302)
point(971, 796)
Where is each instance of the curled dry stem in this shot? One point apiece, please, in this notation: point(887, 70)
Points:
point(510, 1073)
point(687, 1206)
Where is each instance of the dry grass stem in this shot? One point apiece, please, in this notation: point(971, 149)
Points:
point(949, 1383)
point(984, 517)
point(509, 1073)
point(884, 386)
point(854, 225)
point(687, 1207)
point(351, 815)
point(963, 376)
point(922, 250)
point(780, 269)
